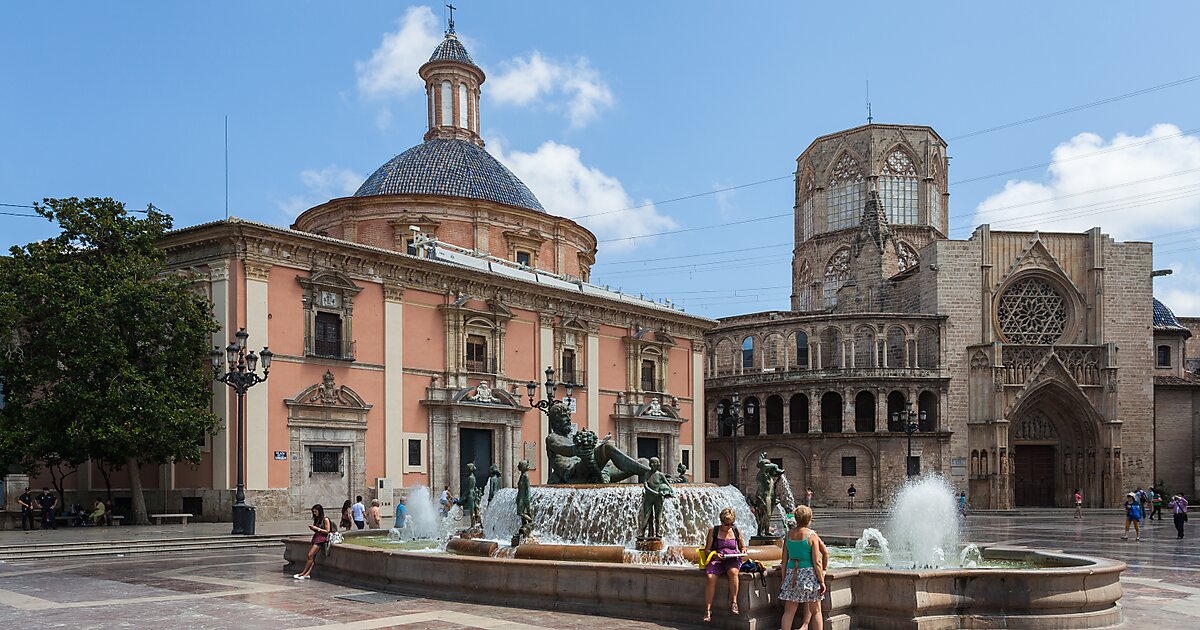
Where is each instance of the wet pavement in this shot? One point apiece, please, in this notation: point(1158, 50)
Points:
point(231, 588)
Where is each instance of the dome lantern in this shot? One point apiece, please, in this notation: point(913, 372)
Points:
point(452, 83)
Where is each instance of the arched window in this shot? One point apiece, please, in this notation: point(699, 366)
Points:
point(864, 412)
point(462, 106)
point(831, 412)
point(898, 188)
point(447, 118)
point(751, 410)
point(803, 285)
point(864, 341)
point(801, 349)
point(927, 348)
point(927, 406)
point(806, 208)
point(836, 273)
point(831, 348)
point(895, 347)
point(775, 415)
point(896, 403)
point(847, 193)
point(798, 412)
point(748, 352)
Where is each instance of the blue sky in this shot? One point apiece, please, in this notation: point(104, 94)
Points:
point(601, 106)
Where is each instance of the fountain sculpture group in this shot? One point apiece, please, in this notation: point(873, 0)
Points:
point(624, 549)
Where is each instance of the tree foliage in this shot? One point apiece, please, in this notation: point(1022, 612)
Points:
point(104, 353)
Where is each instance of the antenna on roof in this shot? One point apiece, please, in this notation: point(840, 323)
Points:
point(869, 101)
point(226, 167)
point(450, 29)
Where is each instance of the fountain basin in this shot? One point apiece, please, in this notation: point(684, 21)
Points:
point(1065, 592)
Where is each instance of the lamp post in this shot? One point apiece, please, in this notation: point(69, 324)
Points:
point(910, 419)
point(551, 391)
point(733, 420)
point(241, 376)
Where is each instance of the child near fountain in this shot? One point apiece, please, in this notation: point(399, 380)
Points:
point(805, 561)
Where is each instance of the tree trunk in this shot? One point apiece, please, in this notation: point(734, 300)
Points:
point(105, 475)
point(135, 489)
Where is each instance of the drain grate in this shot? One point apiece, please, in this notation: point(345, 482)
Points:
point(374, 598)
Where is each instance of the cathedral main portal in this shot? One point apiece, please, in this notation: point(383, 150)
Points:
point(1033, 472)
point(1054, 452)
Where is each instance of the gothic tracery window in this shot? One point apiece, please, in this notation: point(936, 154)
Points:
point(804, 287)
point(898, 188)
point(1031, 311)
point(847, 193)
point(935, 195)
point(908, 257)
point(836, 273)
point(806, 209)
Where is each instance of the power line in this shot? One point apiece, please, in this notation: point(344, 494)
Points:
point(686, 197)
point(1073, 211)
point(645, 260)
point(1069, 110)
point(696, 229)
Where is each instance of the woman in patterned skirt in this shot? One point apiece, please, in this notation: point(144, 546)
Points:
point(804, 563)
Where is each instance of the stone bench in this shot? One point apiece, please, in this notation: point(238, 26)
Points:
point(158, 518)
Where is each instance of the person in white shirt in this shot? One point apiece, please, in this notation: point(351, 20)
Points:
point(358, 513)
point(445, 500)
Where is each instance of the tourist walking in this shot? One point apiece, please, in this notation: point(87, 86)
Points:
point(962, 504)
point(808, 494)
point(1078, 504)
point(358, 513)
point(725, 548)
point(346, 523)
point(804, 563)
point(1142, 500)
point(373, 518)
point(1133, 516)
point(48, 501)
point(1178, 507)
point(321, 527)
point(1156, 501)
point(25, 500)
point(850, 492)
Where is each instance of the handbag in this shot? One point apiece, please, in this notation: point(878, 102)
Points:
point(335, 538)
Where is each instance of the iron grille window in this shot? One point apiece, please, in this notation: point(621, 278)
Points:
point(327, 460)
point(1164, 356)
point(849, 466)
point(476, 353)
point(414, 452)
point(328, 340)
point(648, 380)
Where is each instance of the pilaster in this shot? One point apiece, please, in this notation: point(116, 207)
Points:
point(258, 397)
point(393, 381)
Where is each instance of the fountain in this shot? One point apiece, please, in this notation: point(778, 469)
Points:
point(577, 548)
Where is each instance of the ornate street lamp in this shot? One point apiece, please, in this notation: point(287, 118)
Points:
point(241, 376)
point(551, 391)
point(731, 418)
point(910, 419)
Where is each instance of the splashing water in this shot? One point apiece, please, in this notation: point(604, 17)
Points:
point(970, 557)
point(787, 500)
point(608, 515)
point(860, 546)
point(424, 521)
point(923, 526)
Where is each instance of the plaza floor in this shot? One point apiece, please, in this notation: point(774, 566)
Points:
point(230, 588)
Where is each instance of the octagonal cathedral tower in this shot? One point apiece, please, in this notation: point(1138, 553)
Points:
point(881, 183)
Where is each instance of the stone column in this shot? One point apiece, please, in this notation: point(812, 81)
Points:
point(393, 384)
point(814, 412)
point(787, 416)
point(847, 411)
point(220, 450)
point(258, 397)
point(545, 360)
point(814, 354)
point(881, 412)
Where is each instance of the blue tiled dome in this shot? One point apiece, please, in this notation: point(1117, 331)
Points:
point(451, 50)
point(454, 168)
point(1164, 319)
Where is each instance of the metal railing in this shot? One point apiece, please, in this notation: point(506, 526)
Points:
point(575, 377)
point(341, 349)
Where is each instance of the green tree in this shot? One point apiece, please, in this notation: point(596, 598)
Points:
point(105, 350)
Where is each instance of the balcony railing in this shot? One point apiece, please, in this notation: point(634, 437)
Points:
point(575, 377)
point(762, 375)
point(484, 366)
point(340, 349)
point(653, 385)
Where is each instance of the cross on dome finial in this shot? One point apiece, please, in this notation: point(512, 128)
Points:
point(450, 27)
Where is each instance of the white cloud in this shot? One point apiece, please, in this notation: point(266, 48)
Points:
point(574, 87)
point(567, 187)
point(320, 186)
point(1140, 192)
point(392, 69)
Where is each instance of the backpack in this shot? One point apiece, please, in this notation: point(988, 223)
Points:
point(704, 555)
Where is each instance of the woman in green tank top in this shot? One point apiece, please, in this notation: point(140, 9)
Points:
point(804, 563)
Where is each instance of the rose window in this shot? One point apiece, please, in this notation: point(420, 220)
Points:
point(1032, 312)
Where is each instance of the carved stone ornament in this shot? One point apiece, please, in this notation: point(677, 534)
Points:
point(1034, 426)
point(655, 408)
point(328, 392)
point(1031, 311)
point(483, 393)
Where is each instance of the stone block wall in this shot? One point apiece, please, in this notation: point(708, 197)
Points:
point(1175, 435)
point(1125, 297)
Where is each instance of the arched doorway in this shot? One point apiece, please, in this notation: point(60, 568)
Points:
point(1056, 448)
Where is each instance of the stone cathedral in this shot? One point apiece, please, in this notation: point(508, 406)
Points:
point(1024, 364)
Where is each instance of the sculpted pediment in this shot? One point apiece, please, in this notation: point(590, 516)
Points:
point(1037, 256)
